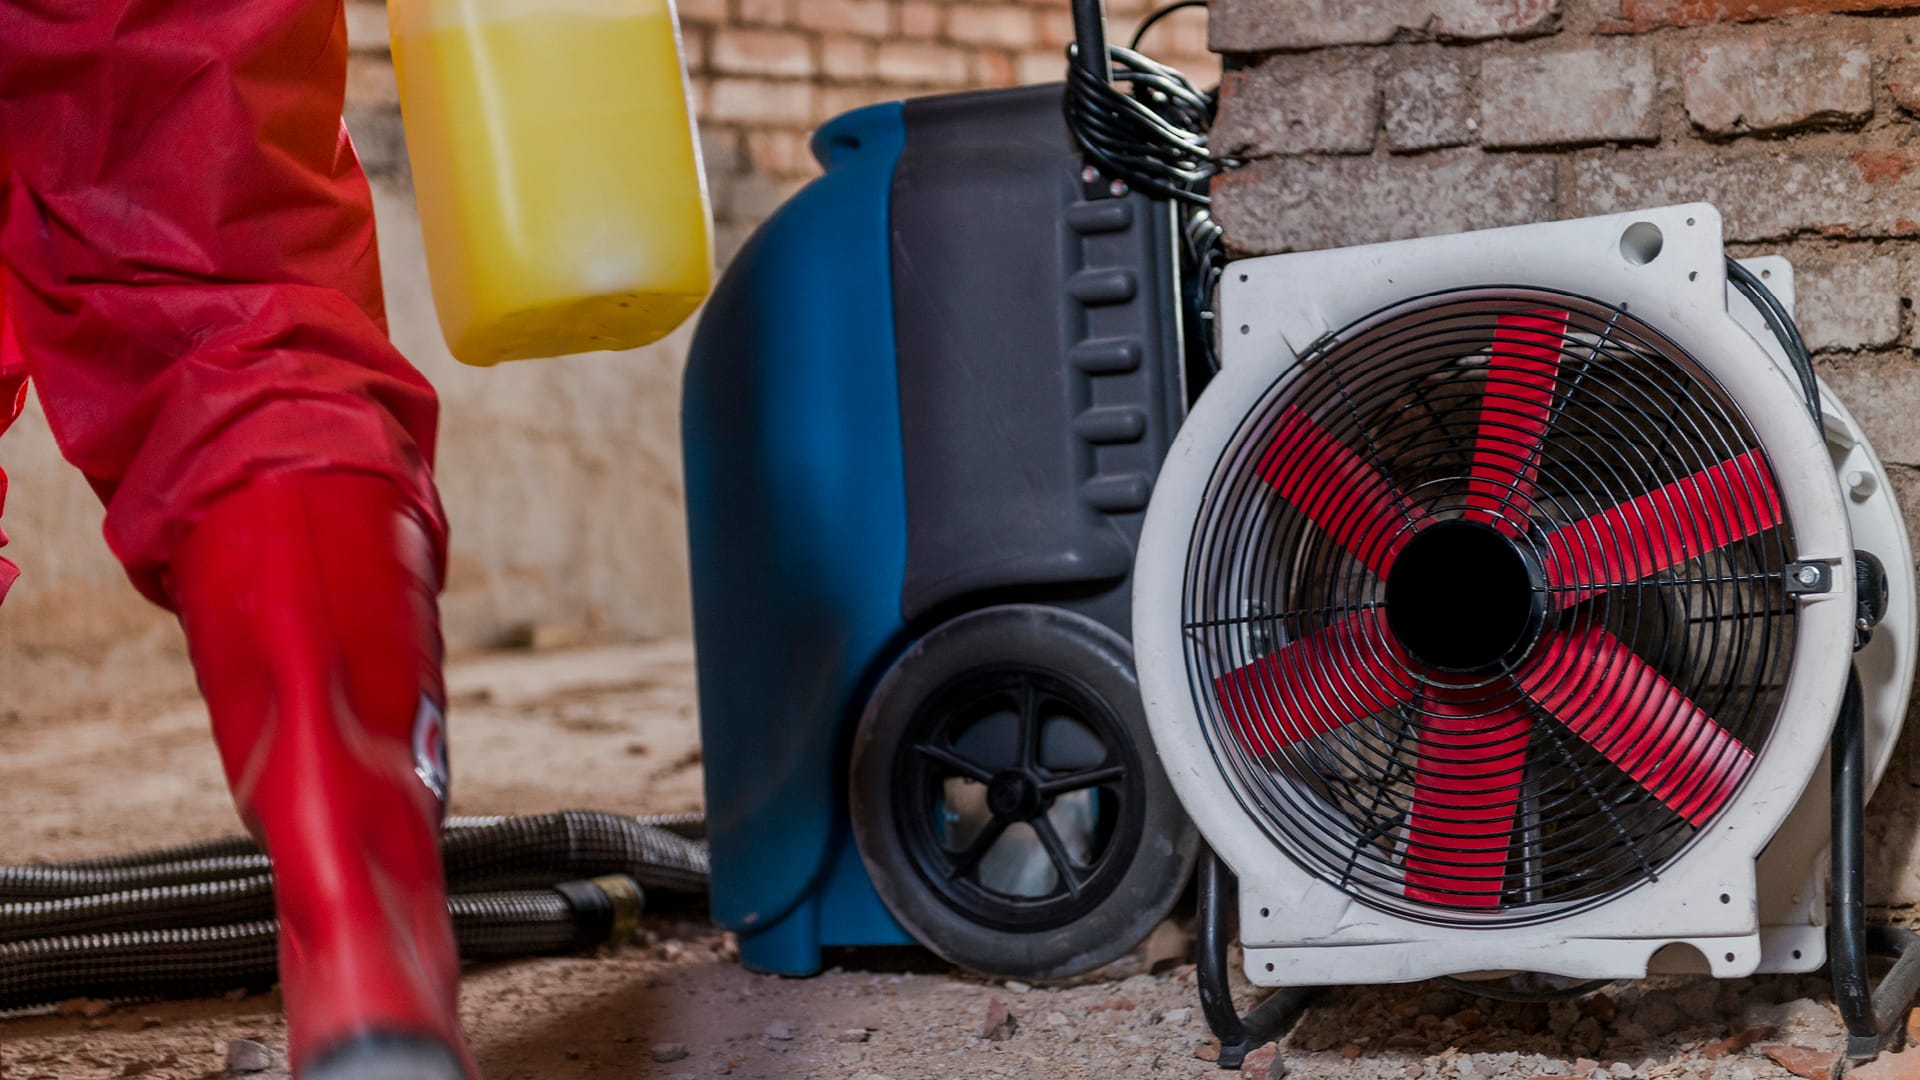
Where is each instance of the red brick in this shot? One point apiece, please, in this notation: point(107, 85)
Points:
point(757, 101)
point(761, 52)
point(764, 12)
point(1183, 33)
point(870, 18)
point(835, 100)
point(919, 19)
point(719, 150)
point(1763, 194)
point(1303, 203)
point(1259, 25)
point(370, 81)
point(1428, 101)
point(1299, 104)
point(366, 26)
point(1569, 97)
point(1638, 15)
point(846, 59)
point(707, 12)
point(693, 48)
point(916, 63)
point(750, 197)
point(1055, 28)
point(1041, 67)
point(990, 24)
point(1903, 85)
point(781, 153)
point(1757, 83)
point(993, 67)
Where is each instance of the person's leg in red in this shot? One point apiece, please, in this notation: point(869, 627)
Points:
point(308, 602)
point(192, 273)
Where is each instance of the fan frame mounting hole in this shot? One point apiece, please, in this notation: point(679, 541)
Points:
point(1641, 243)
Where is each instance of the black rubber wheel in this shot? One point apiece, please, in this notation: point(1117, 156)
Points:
point(1007, 800)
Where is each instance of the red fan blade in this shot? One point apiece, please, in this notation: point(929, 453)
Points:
point(1594, 684)
point(1338, 491)
point(1714, 507)
point(1513, 416)
point(1350, 670)
point(1464, 798)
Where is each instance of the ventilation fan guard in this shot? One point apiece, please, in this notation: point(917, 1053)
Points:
point(1428, 570)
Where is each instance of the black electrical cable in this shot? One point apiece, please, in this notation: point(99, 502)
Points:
point(1144, 123)
point(1161, 13)
point(1784, 330)
point(1147, 126)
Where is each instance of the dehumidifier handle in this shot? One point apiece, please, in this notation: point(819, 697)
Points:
point(1090, 37)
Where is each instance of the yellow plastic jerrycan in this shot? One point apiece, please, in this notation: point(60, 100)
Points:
point(556, 170)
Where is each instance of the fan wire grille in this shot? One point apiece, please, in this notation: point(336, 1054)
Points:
point(1486, 614)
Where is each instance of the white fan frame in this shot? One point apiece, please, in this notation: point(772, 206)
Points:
point(1741, 918)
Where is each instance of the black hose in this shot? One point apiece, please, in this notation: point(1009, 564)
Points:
point(202, 960)
point(493, 852)
point(205, 903)
point(503, 852)
point(1846, 925)
point(197, 918)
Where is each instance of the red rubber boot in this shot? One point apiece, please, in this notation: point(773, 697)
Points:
point(310, 611)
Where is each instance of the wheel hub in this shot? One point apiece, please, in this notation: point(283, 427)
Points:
point(1014, 794)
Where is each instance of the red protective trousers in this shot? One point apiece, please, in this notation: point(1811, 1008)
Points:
point(189, 276)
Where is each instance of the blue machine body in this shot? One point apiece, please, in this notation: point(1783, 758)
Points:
point(797, 523)
point(941, 377)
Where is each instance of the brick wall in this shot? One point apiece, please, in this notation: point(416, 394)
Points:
point(767, 72)
point(1367, 120)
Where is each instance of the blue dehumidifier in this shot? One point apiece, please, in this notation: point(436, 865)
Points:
point(923, 414)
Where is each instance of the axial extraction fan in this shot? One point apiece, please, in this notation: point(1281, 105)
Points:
point(1497, 603)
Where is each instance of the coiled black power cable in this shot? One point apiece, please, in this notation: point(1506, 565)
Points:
point(1148, 126)
point(1144, 123)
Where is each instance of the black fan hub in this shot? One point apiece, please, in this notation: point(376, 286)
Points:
point(1014, 794)
point(1463, 596)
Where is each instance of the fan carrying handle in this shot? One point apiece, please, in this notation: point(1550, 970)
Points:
point(1873, 1015)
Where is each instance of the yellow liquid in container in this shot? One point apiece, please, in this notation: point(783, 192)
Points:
point(556, 170)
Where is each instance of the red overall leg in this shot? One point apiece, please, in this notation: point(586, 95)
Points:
point(309, 606)
point(192, 274)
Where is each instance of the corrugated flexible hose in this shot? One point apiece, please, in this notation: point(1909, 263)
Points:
point(197, 919)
